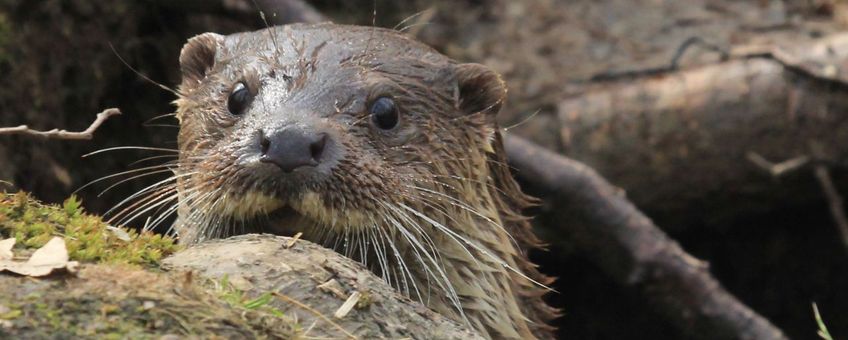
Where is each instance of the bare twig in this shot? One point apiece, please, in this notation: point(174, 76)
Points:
point(817, 65)
point(604, 226)
point(673, 65)
point(289, 11)
point(279, 11)
point(834, 199)
point(314, 312)
point(64, 134)
point(777, 170)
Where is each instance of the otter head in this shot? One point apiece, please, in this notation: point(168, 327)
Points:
point(365, 141)
point(323, 123)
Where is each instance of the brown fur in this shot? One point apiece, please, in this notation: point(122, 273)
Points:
point(430, 205)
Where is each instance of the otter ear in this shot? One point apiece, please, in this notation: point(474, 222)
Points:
point(198, 56)
point(479, 89)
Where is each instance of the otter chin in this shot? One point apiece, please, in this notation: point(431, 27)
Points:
point(369, 143)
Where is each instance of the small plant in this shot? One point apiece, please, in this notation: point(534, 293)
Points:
point(237, 299)
point(822, 332)
point(88, 237)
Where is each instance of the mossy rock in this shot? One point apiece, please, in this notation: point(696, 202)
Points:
point(120, 302)
point(250, 286)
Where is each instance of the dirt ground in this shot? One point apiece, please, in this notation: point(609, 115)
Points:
point(777, 262)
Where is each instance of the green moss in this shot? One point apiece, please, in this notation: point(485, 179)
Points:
point(142, 302)
point(140, 305)
point(87, 237)
point(237, 299)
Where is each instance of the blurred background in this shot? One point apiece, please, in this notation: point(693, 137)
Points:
point(724, 121)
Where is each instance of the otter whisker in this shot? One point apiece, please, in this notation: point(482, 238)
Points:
point(413, 16)
point(164, 115)
point(404, 268)
point(472, 180)
point(405, 28)
point(151, 173)
point(417, 227)
point(147, 189)
point(151, 193)
point(467, 207)
point(457, 203)
point(442, 278)
point(382, 252)
point(379, 250)
point(152, 158)
point(145, 148)
point(189, 196)
point(154, 167)
point(428, 241)
point(459, 241)
point(160, 200)
point(479, 248)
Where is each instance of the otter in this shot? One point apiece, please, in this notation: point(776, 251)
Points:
point(372, 144)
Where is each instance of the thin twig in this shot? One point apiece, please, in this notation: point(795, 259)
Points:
point(87, 134)
point(673, 65)
point(314, 312)
point(777, 170)
point(834, 199)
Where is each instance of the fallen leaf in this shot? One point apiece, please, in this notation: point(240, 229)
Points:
point(119, 233)
point(6, 249)
point(347, 305)
point(52, 256)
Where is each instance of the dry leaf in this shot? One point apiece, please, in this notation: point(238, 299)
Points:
point(53, 255)
point(6, 249)
point(347, 305)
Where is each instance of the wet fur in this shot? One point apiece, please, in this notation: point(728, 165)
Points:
point(431, 207)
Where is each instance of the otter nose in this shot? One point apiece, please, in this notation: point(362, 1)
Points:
point(292, 148)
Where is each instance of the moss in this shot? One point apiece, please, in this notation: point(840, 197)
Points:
point(87, 237)
point(120, 293)
point(237, 299)
point(139, 305)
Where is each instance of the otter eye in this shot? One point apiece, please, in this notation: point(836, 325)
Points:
point(239, 99)
point(384, 113)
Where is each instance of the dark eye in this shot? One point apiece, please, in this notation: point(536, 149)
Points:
point(239, 99)
point(384, 113)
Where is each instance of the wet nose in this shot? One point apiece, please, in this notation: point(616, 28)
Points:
point(292, 148)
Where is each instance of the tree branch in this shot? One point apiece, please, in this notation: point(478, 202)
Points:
point(626, 244)
point(277, 12)
point(63, 134)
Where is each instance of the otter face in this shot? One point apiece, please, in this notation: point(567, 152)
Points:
point(324, 127)
point(369, 143)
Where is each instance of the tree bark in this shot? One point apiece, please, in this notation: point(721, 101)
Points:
point(684, 138)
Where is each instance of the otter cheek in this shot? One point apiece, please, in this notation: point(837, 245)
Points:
point(313, 206)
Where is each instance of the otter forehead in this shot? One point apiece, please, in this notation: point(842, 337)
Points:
point(337, 44)
point(352, 37)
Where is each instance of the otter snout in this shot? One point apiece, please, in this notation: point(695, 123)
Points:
point(291, 148)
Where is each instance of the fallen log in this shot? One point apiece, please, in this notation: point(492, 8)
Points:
point(683, 138)
point(609, 230)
